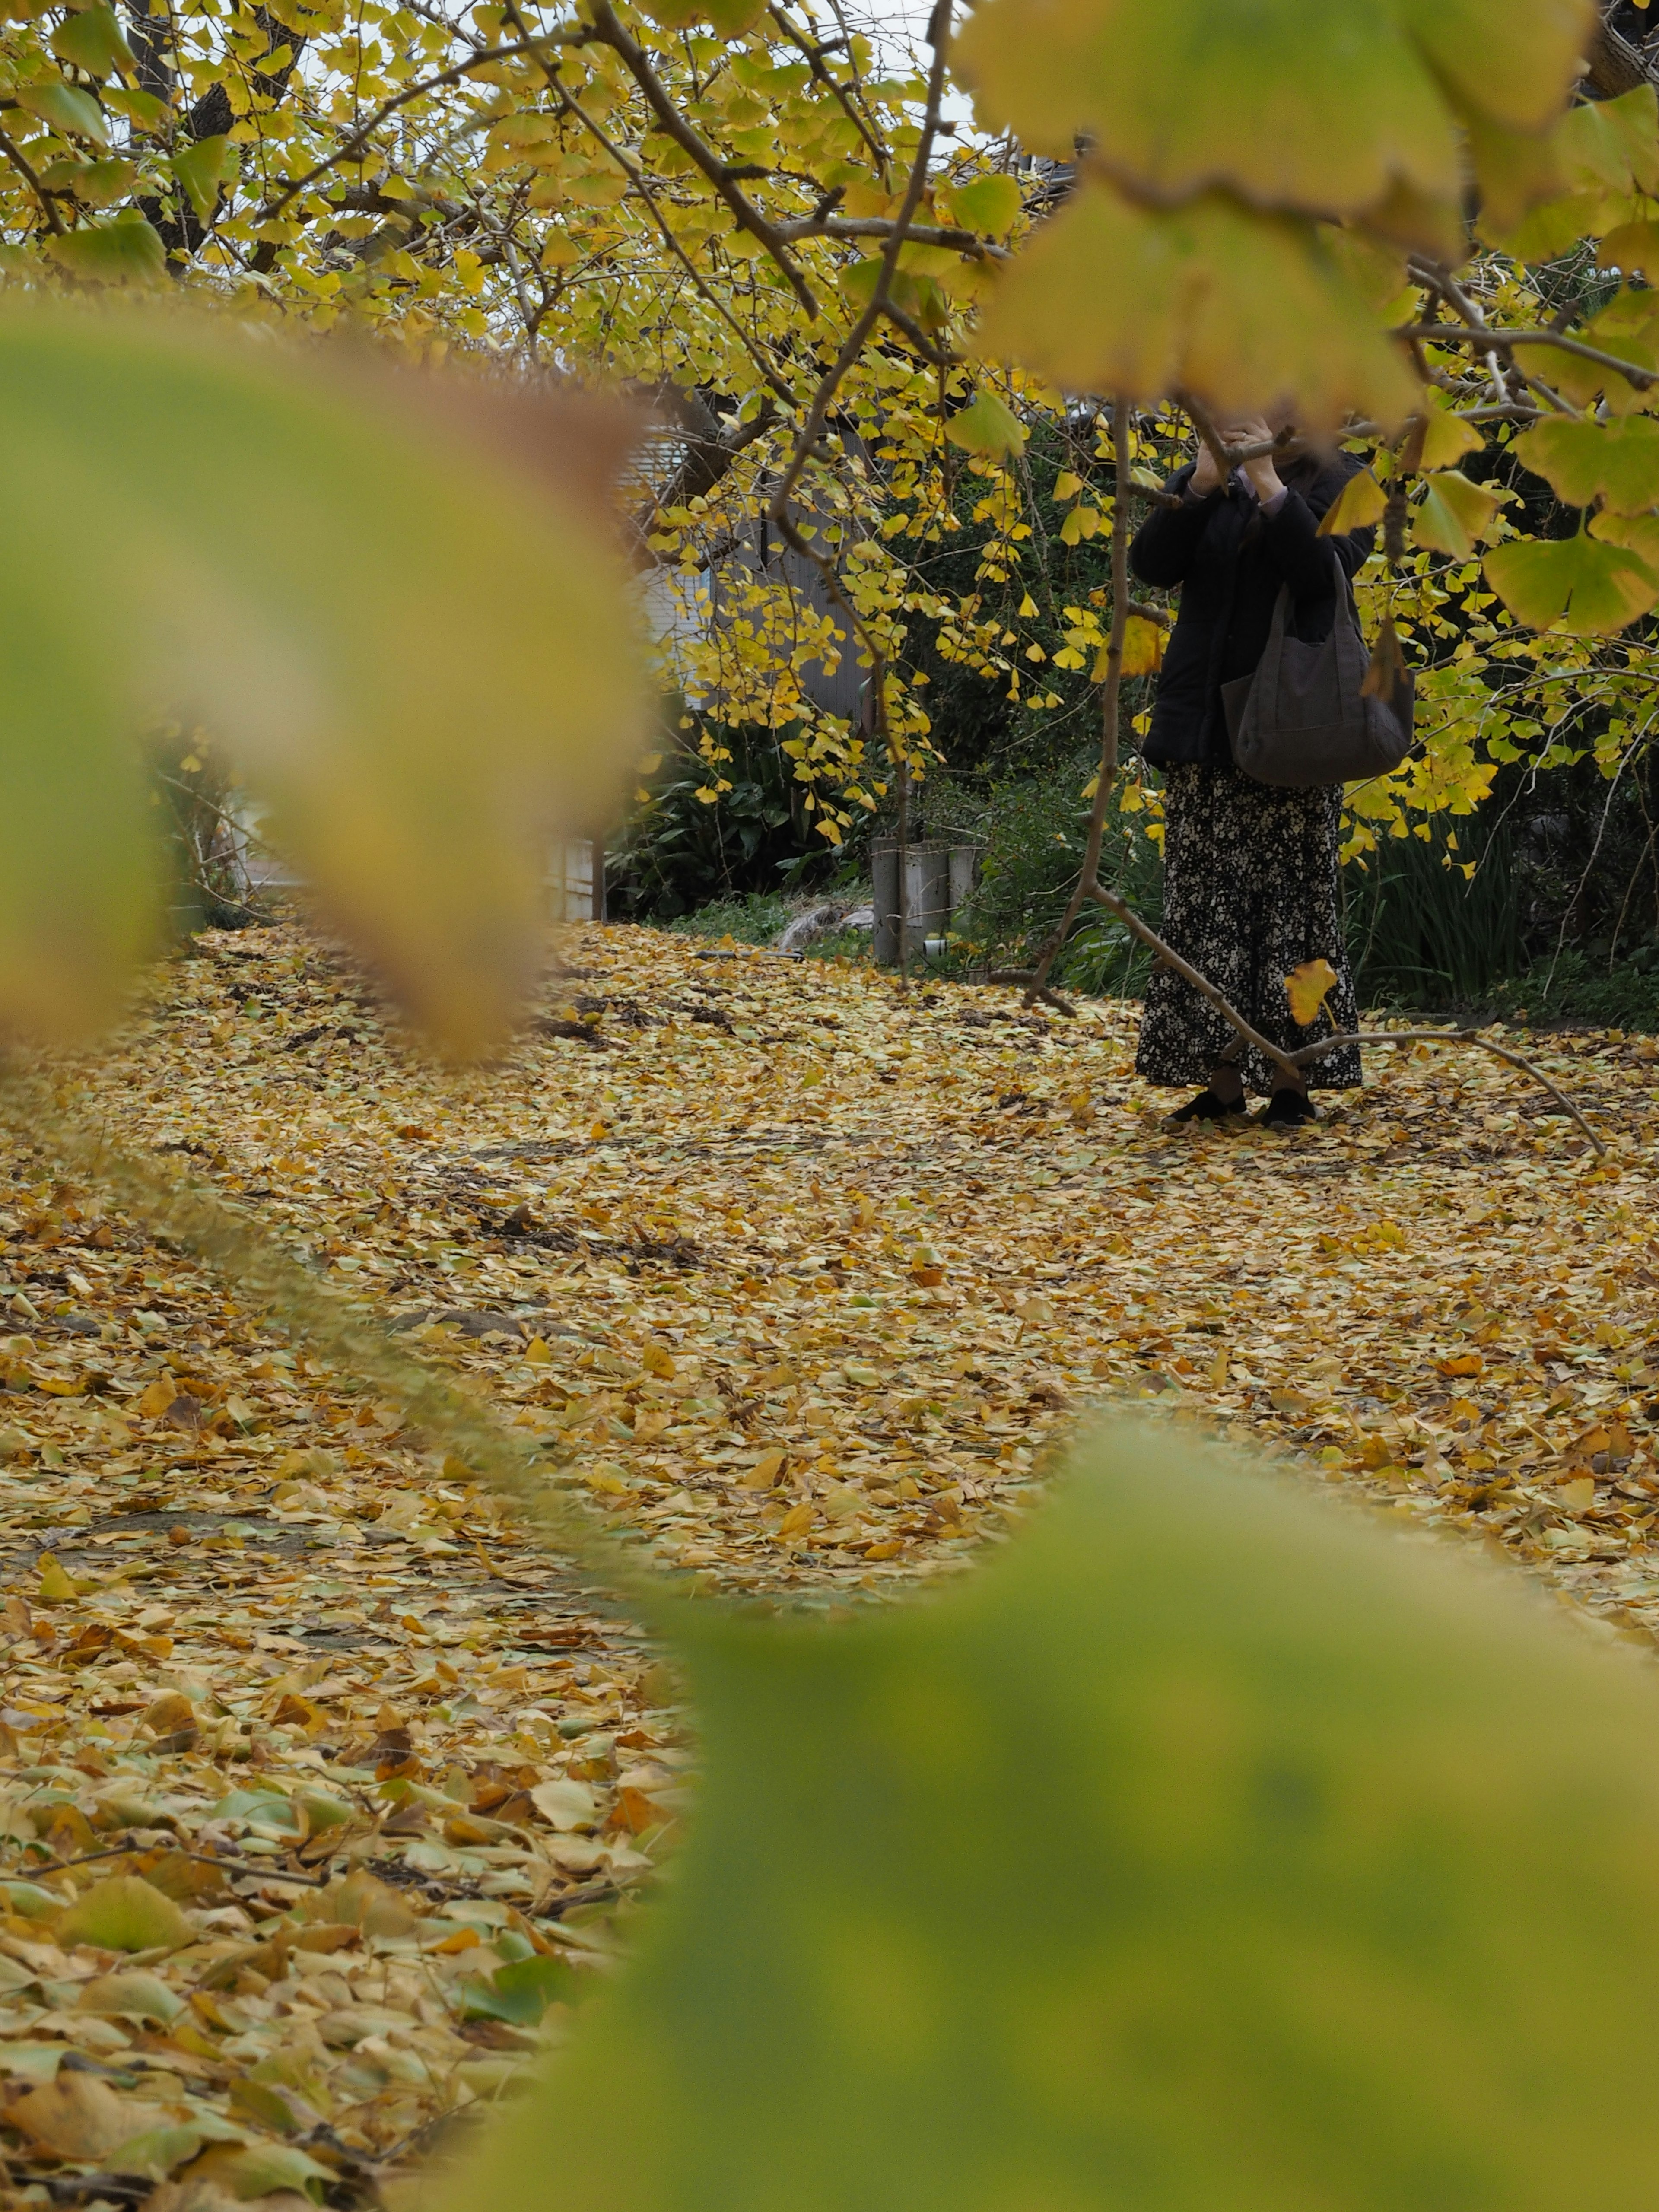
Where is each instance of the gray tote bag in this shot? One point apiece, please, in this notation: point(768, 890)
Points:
point(1304, 718)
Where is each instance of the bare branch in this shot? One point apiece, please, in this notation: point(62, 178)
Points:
point(1312, 1051)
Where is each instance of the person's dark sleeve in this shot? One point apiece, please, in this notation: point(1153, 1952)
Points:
point(1302, 557)
point(1166, 541)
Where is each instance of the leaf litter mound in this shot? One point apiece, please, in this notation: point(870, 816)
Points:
point(327, 1794)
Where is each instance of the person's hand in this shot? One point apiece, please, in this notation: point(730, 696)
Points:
point(1206, 477)
point(1262, 475)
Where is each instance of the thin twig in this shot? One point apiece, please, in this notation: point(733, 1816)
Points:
point(579, 35)
point(20, 162)
point(1089, 875)
point(1312, 1051)
point(608, 28)
point(1466, 334)
point(642, 184)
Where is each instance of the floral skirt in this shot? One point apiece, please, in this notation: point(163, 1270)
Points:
point(1249, 893)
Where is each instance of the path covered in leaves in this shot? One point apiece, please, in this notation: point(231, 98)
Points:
point(325, 1794)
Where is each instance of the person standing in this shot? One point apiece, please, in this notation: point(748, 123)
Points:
point(1250, 887)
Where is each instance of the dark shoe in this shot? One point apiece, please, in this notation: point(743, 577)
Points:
point(1288, 1109)
point(1206, 1107)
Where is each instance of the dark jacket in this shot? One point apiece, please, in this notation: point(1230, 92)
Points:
point(1230, 561)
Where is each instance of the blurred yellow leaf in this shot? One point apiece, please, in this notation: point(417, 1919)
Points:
point(1617, 462)
point(1339, 107)
point(1281, 1730)
point(1242, 309)
point(422, 736)
point(1143, 647)
point(1307, 988)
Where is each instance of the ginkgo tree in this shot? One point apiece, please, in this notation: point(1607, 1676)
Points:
point(698, 206)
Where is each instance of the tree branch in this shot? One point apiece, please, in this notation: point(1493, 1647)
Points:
point(1309, 1052)
point(608, 28)
point(25, 170)
point(1465, 334)
point(581, 35)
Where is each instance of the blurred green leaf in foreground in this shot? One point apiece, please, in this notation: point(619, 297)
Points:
point(392, 598)
point(1213, 1850)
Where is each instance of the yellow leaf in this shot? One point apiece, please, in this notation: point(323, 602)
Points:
point(123, 1912)
point(989, 206)
point(796, 1521)
point(986, 425)
point(1245, 310)
point(537, 1353)
point(566, 1804)
point(656, 1361)
point(55, 1587)
point(1358, 505)
point(766, 1469)
point(1068, 485)
point(1617, 462)
point(1597, 588)
point(431, 854)
point(1343, 107)
point(1446, 439)
point(1307, 988)
point(155, 1397)
point(1143, 647)
point(1454, 514)
point(79, 2117)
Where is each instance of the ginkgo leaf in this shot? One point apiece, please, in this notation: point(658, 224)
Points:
point(124, 250)
point(1322, 1814)
point(1614, 142)
point(1638, 533)
point(728, 19)
point(1628, 328)
point(989, 206)
point(1329, 108)
point(422, 736)
point(1246, 311)
point(1585, 460)
point(1633, 248)
point(1306, 987)
point(201, 168)
point(1143, 647)
point(1515, 171)
point(1446, 439)
point(1068, 485)
point(97, 183)
point(123, 1912)
point(1454, 514)
point(92, 40)
point(1599, 588)
point(1583, 173)
point(986, 425)
point(1359, 504)
point(66, 107)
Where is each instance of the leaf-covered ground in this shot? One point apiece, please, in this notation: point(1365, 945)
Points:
point(325, 1793)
